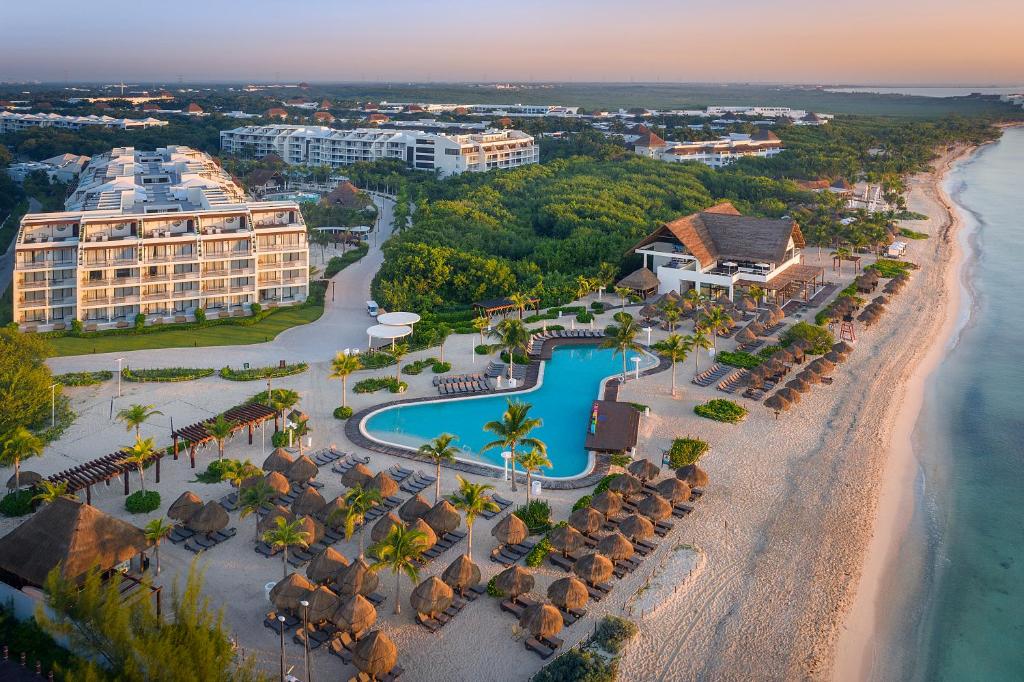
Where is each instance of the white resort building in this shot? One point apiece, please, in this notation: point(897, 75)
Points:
point(719, 250)
point(12, 122)
point(163, 233)
point(716, 153)
point(446, 153)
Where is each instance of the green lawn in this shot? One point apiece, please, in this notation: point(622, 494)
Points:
point(221, 335)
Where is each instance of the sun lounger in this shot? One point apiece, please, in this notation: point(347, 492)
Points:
point(562, 562)
point(429, 623)
point(376, 598)
point(594, 593)
point(180, 534)
point(680, 510)
point(508, 606)
point(274, 624)
point(535, 646)
point(646, 544)
point(395, 673)
point(666, 525)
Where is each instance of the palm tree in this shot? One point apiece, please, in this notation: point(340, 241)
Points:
point(21, 444)
point(156, 530)
point(280, 401)
point(50, 491)
point(520, 301)
point(584, 285)
point(623, 293)
point(532, 461)
point(623, 339)
point(398, 351)
point(514, 428)
point(437, 451)
point(472, 499)
point(481, 323)
point(676, 348)
point(512, 337)
point(756, 293)
point(286, 535)
point(234, 472)
point(341, 367)
point(254, 498)
point(699, 341)
point(441, 334)
point(671, 313)
point(695, 298)
point(714, 320)
point(841, 254)
point(220, 429)
point(358, 501)
point(134, 416)
point(141, 451)
point(399, 552)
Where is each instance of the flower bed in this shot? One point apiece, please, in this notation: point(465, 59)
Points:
point(721, 410)
point(374, 384)
point(166, 374)
point(254, 373)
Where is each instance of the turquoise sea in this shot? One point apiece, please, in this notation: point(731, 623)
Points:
point(957, 585)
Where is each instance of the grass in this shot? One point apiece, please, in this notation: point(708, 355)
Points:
point(912, 234)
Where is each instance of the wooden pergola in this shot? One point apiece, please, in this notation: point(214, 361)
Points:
point(101, 470)
point(243, 416)
point(791, 280)
point(503, 306)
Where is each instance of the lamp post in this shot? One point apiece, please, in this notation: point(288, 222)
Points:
point(636, 363)
point(53, 405)
point(280, 622)
point(305, 638)
point(119, 361)
point(648, 330)
point(507, 456)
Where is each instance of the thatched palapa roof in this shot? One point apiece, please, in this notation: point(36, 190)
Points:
point(187, 504)
point(375, 655)
point(510, 530)
point(431, 596)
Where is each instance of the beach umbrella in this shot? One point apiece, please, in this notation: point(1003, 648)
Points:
point(309, 501)
point(27, 479)
point(736, 315)
point(593, 568)
point(430, 537)
point(879, 300)
point(649, 312)
point(802, 344)
point(279, 460)
point(674, 490)
point(789, 395)
point(752, 379)
point(644, 469)
point(443, 517)
point(637, 527)
point(608, 503)
point(694, 476)
point(541, 620)
point(313, 529)
point(747, 304)
point(182, 509)
point(514, 581)
point(431, 596)
point(210, 518)
point(798, 385)
point(566, 539)
point(413, 508)
point(823, 366)
point(461, 574)
point(278, 483)
point(384, 483)
point(655, 507)
point(287, 593)
point(842, 347)
point(766, 318)
point(375, 654)
point(568, 593)
point(355, 614)
point(325, 565)
point(834, 357)
point(776, 403)
point(384, 525)
point(360, 474)
point(809, 377)
point(356, 578)
point(626, 485)
point(774, 367)
point(782, 356)
point(615, 546)
point(797, 352)
point(301, 470)
point(511, 530)
point(756, 328)
point(333, 513)
point(586, 520)
point(269, 520)
point(322, 604)
point(745, 336)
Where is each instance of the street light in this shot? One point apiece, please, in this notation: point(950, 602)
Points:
point(636, 362)
point(280, 621)
point(53, 405)
point(119, 361)
point(648, 330)
point(305, 638)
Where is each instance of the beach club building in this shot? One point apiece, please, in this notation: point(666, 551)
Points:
point(719, 250)
point(714, 153)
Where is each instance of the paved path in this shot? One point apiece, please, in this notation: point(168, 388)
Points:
point(343, 325)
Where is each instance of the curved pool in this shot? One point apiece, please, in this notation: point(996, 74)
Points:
point(571, 380)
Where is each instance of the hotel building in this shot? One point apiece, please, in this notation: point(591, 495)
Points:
point(446, 153)
point(716, 153)
point(12, 122)
point(163, 233)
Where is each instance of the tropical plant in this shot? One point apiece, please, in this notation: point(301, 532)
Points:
point(398, 351)
point(438, 451)
point(533, 461)
point(441, 333)
point(695, 298)
point(253, 499)
point(520, 301)
point(714, 320)
point(512, 337)
point(341, 367)
point(721, 410)
point(399, 552)
point(685, 451)
point(50, 491)
point(141, 451)
point(699, 341)
point(234, 471)
point(358, 501)
point(481, 323)
point(624, 294)
point(671, 313)
point(676, 349)
point(472, 499)
point(20, 444)
point(623, 338)
point(286, 534)
point(584, 285)
point(220, 429)
point(515, 428)
point(755, 292)
point(156, 530)
point(134, 416)
point(280, 401)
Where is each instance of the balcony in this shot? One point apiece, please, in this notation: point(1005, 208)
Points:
point(44, 264)
point(171, 258)
point(188, 293)
point(185, 276)
point(156, 296)
point(278, 248)
point(32, 303)
point(110, 262)
point(29, 285)
point(88, 283)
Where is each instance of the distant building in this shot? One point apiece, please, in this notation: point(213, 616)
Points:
point(11, 122)
point(277, 112)
point(264, 181)
point(323, 117)
point(193, 109)
point(345, 195)
point(716, 153)
point(63, 168)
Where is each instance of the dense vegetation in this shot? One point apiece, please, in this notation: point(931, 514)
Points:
point(84, 378)
point(721, 410)
point(685, 451)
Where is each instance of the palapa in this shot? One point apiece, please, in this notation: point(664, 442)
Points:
point(694, 476)
point(809, 377)
point(783, 356)
point(593, 568)
point(431, 596)
point(269, 520)
point(325, 565)
point(360, 474)
point(511, 530)
point(287, 593)
point(429, 536)
point(355, 614)
point(644, 469)
point(279, 460)
point(626, 485)
point(313, 529)
point(333, 513)
point(566, 539)
point(276, 481)
point(776, 403)
point(514, 581)
point(443, 517)
point(789, 395)
point(461, 574)
point(302, 469)
point(842, 347)
point(569, 593)
point(383, 483)
point(413, 508)
point(834, 357)
point(747, 304)
point(211, 518)
point(26, 479)
point(637, 527)
point(756, 328)
point(745, 336)
point(187, 504)
point(608, 503)
point(375, 655)
point(322, 604)
point(674, 490)
point(822, 366)
point(586, 520)
point(615, 546)
point(541, 620)
point(356, 578)
point(649, 312)
point(798, 385)
point(384, 525)
point(654, 507)
point(309, 502)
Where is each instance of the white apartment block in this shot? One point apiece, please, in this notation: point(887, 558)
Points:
point(445, 153)
point(163, 233)
point(12, 122)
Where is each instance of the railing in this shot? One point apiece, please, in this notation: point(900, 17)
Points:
point(277, 248)
point(34, 303)
point(35, 284)
point(178, 276)
point(171, 258)
point(190, 293)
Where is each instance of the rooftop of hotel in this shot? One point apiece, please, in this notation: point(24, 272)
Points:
point(492, 135)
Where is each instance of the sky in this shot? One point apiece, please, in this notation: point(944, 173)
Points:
point(781, 41)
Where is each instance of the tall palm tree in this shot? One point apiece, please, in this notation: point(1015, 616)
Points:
point(755, 292)
point(220, 429)
point(20, 444)
point(623, 293)
point(512, 337)
point(234, 472)
point(399, 552)
point(520, 301)
point(286, 535)
point(398, 351)
point(532, 461)
point(438, 451)
point(699, 341)
point(49, 491)
point(481, 323)
point(134, 416)
point(141, 451)
point(714, 320)
point(254, 498)
point(623, 339)
point(515, 428)
point(156, 530)
point(676, 348)
point(441, 334)
point(358, 501)
point(472, 499)
point(584, 285)
point(341, 367)
point(695, 298)
point(281, 400)
point(671, 313)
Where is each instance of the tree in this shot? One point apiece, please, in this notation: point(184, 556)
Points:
point(25, 382)
point(520, 301)
point(623, 338)
point(341, 367)
point(441, 334)
point(286, 534)
point(254, 498)
point(235, 472)
point(220, 429)
point(156, 530)
point(671, 313)
point(532, 461)
point(141, 451)
point(134, 416)
point(695, 298)
point(281, 400)
point(676, 348)
point(755, 292)
point(472, 499)
point(358, 501)
point(438, 451)
point(399, 552)
point(481, 323)
point(398, 351)
point(623, 293)
point(514, 429)
point(512, 337)
point(20, 444)
point(714, 320)
point(584, 285)
point(699, 341)
point(49, 491)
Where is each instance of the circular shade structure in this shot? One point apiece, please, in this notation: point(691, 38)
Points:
point(398, 319)
point(390, 333)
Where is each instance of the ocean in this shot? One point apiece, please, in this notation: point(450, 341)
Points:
point(930, 90)
point(957, 583)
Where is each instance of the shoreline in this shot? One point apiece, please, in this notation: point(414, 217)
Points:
point(895, 503)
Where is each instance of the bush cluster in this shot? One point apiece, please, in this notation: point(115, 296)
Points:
point(254, 373)
point(417, 367)
point(768, 351)
point(536, 515)
point(686, 451)
point(582, 502)
point(339, 263)
point(374, 384)
point(721, 410)
point(536, 556)
point(342, 412)
point(519, 358)
point(603, 484)
point(165, 374)
point(889, 268)
point(142, 502)
point(482, 349)
point(739, 359)
point(612, 633)
point(576, 665)
point(441, 367)
point(18, 503)
point(821, 339)
point(493, 591)
point(376, 360)
point(83, 378)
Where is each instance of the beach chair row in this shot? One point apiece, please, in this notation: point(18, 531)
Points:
point(200, 542)
point(502, 503)
point(444, 543)
point(439, 620)
point(417, 483)
point(733, 381)
point(712, 374)
point(465, 387)
point(506, 555)
point(540, 645)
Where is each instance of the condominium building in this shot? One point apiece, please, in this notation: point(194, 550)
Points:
point(446, 153)
point(12, 122)
point(715, 153)
point(163, 233)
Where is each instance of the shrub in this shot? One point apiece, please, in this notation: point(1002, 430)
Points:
point(83, 378)
point(165, 375)
point(582, 502)
point(612, 633)
point(140, 320)
point(821, 339)
point(536, 515)
point(493, 591)
point(339, 263)
point(912, 234)
point(200, 315)
point(598, 306)
point(18, 503)
point(888, 268)
point(537, 555)
point(418, 366)
point(584, 316)
point(76, 327)
point(441, 367)
point(255, 308)
point(768, 351)
point(519, 358)
point(374, 384)
point(685, 451)
point(342, 412)
point(739, 359)
point(214, 472)
point(142, 502)
point(578, 665)
point(603, 484)
point(376, 360)
point(482, 349)
point(254, 373)
point(721, 410)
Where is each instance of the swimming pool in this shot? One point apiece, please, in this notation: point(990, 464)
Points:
point(294, 196)
point(570, 384)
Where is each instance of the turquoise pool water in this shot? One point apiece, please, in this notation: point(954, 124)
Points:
point(296, 196)
point(563, 401)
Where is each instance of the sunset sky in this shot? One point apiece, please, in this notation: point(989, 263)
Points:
point(872, 41)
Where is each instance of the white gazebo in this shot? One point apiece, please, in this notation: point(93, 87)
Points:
point(398, 319)
point(388, 332)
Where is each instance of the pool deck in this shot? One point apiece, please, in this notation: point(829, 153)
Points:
point(354, 433)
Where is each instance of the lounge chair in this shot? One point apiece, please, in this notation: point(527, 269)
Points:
point(535, 646)
point(508, 606)
point(429, 623)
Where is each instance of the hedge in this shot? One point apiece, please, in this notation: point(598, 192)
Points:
point(376, 360)
point(721, 410)
point(374, 384)
point(142, 502)
point(165, 374)
point(83, 378)
point(519, 358)
point(739, 359)
point(342, 412)
point(339, 263)
point(254, 373)
point(418, 366)
point(686, 451)
point(441, 367)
